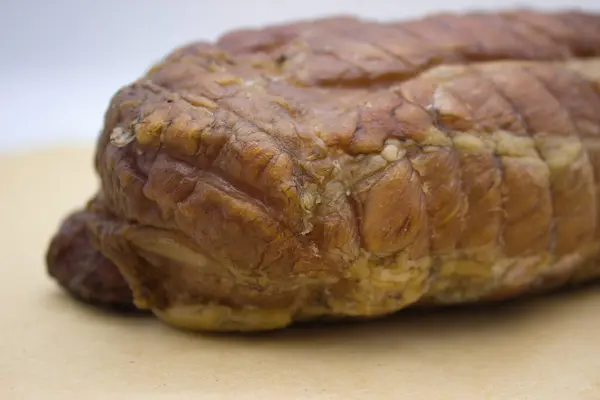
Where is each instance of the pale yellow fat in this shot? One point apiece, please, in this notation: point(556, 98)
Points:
point(377, 289)
point(220, 318)
point(384, 290)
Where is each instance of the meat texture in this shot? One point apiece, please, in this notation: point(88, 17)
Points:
point(347, 168)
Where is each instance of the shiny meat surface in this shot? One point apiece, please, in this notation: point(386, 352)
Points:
point(347, 168)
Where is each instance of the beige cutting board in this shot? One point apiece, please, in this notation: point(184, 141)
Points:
point(53, 347)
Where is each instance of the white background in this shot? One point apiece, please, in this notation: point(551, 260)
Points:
point(61, 60)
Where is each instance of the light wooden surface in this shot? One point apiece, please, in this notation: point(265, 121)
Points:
point(53, 347)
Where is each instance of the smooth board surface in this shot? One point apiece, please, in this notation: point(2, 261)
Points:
point(54, 347)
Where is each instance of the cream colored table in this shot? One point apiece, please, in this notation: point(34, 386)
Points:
point(53, 347)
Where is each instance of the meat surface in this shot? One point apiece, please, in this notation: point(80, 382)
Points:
point(346, 168)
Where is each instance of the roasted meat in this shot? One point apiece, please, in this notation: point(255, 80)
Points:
point(342, 167)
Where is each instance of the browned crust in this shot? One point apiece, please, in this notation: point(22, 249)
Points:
point(295, 159)
point(80, 268)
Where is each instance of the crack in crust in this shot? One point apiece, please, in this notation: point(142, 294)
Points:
point(343, 167)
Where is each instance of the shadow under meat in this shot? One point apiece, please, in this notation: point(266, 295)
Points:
point(435, 324)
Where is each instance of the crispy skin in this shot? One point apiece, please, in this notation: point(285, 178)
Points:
point(348, 168)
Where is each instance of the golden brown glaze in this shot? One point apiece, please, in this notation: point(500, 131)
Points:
point(343, 167)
